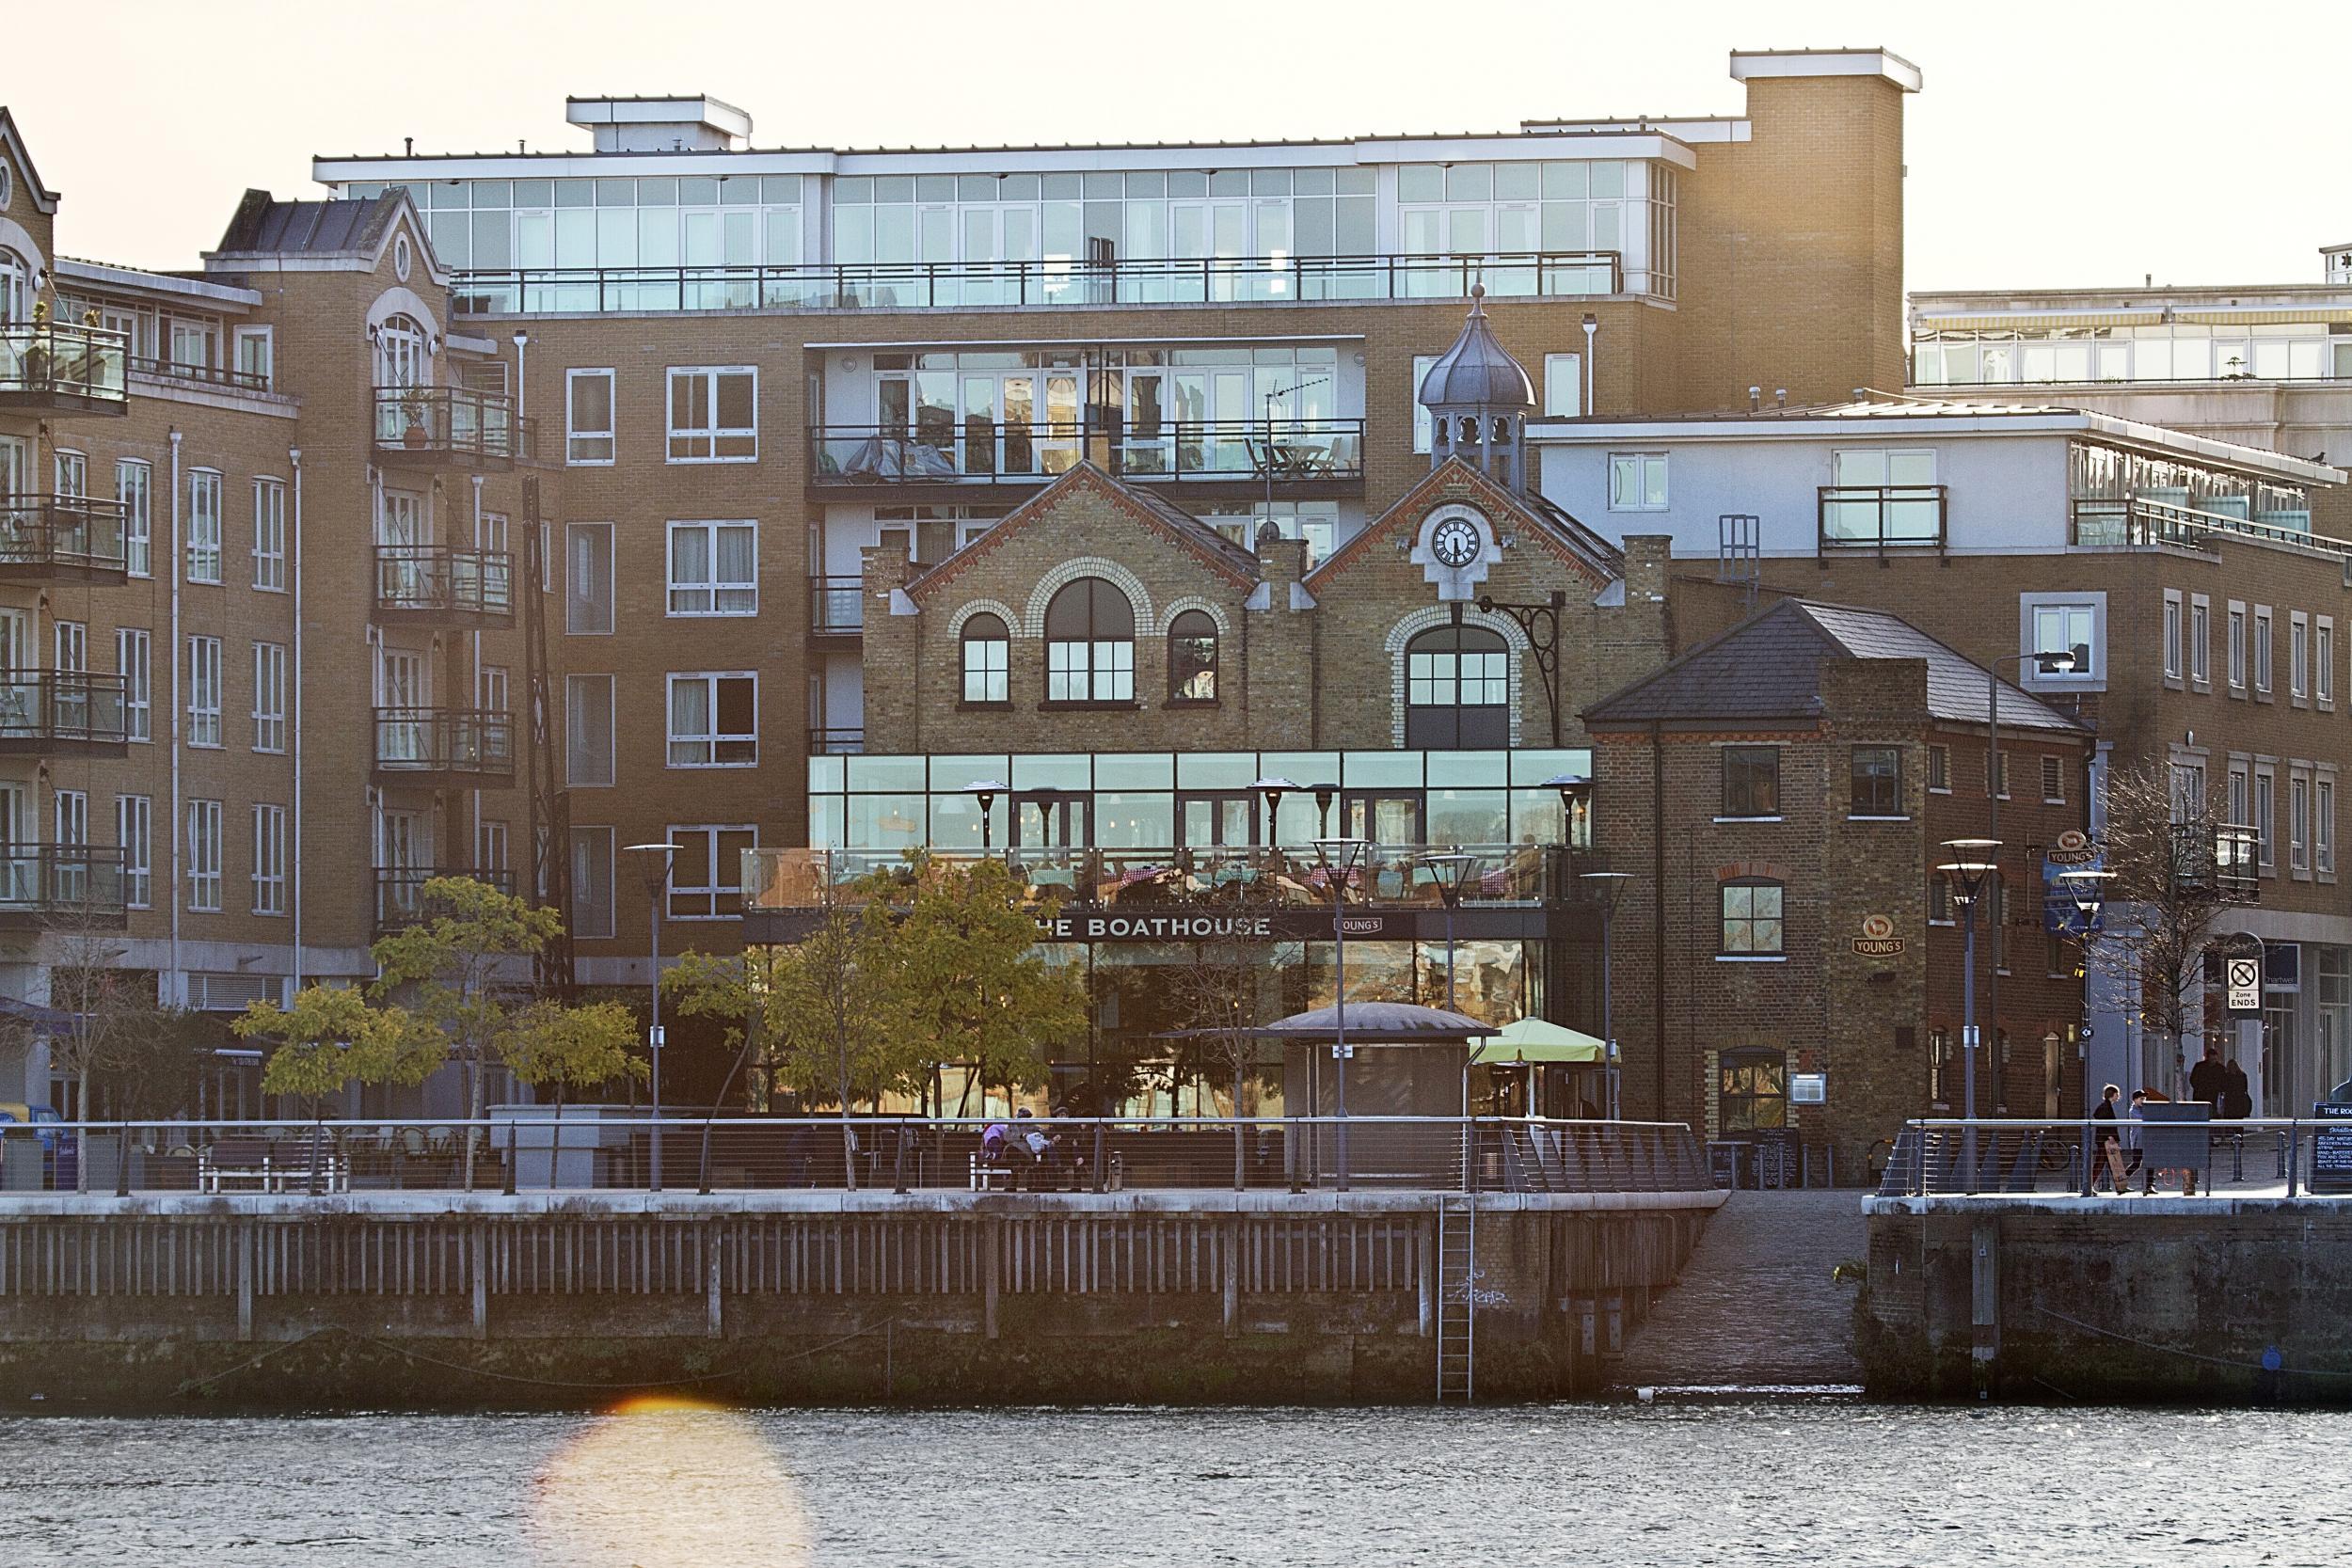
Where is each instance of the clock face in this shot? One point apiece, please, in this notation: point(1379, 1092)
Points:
point(1456, 542)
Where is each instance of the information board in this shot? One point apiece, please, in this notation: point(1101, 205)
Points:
point(2331, 1148)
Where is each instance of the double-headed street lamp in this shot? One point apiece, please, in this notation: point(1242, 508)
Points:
point(658, 859)
point(1970, 870)
point(1341, 860)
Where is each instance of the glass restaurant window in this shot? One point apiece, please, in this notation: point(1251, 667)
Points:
point(1090, 644)
point(1192, 657)
point(987, 647)
point(1456, 690)
point(1751, 781)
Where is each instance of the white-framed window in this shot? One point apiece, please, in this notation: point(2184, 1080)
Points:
point(71, 472)
point(1564, 385)
point(72, 645)
point(706, 878)
point(2063, 623)
point(195, 341)
point(2265, 635)
point(1425, 426)
point(135, 487)
point(2175, 632)
point(2237, 646)
point(714, 568)
point(203, 526)
point(2200, 638)
point(2299, 820)
point(492, 688)
point(489, 852)
point(269, 536)
point(588, 440)
point(204, 856)
point(588, 580)
point(204, 691)
point(2298, 656)
point(257, 355)
point(714, 719)
point(714, 414)
point(2241, 803)
point(269, 696)
point(2324, 824)
point(2323, 662)
point(71, 810)
point(2266, 816)
point(135, 831)
point(987, 649)
point(588, 718)
point(1637, 481)
point(269, 859)
point(134, 660)
point(592, 883)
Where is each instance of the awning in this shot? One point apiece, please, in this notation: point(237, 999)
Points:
point(1536, 1040)
point(49, 1020)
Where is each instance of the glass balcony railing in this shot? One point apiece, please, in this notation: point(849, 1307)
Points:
point(71, 369)
point(436, 580)
point(69, 538)
point(427, 744)
point(442, 424)
point(46, 710)
point(1286, 452)
point(836, 606)
point(60, 883)
point(2110, 524)
point(989, 285)
point(1881, 516)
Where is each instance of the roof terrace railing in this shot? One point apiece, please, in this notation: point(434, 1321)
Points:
point(1882, 517)
point(975, 451)
point(204, 376)
point(61, 365)
point(993, 285)
point(2100, 522)
point(437, 580)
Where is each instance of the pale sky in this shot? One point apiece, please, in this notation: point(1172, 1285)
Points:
point(2056, 143)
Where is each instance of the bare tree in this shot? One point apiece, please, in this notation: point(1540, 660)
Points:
point(1225, 996)
point(105, 1006)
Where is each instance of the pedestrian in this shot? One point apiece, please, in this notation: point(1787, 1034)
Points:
point(2237, 1099)
point(2205, 1078)
point(2134, 1156)
point(2108, 1143)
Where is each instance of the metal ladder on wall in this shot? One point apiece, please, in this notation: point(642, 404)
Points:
point(1457, 1254)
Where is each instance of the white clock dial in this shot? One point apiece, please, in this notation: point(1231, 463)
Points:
point(1455, 543)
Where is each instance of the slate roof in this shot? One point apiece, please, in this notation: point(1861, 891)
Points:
point(1769, 667)
point(1220, 551)
point(265, 226)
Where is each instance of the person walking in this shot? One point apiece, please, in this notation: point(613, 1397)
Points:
point(2108, 1143)
point(2206, 1079)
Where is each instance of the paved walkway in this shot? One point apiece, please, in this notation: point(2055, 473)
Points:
point(1755, 1304)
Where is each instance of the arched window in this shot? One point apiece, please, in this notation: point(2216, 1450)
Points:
point(1752, 918)
point(1090, 644)
point(16, 287)
point(1192, 657)
point(987, 659)
point(1456, 690)
point(401, 356)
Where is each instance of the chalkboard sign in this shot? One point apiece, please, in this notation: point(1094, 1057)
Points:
point(2331, 1148)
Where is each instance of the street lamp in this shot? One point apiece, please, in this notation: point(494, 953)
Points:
point(2089, 890)
point(1341, 860)
point(658, 858)
point(1274, 789)
point(1608, 886)
point(984, 791)
point(1969, 871)
point(1450, 871)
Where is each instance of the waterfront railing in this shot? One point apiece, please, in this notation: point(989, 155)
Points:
point(2173, 1149)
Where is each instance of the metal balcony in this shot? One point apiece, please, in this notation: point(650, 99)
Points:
point(441, 427)
point(49, 367)
point(441, 748)
point(62, 539)
point(823, 741)
point(435, 585)
point(399, 898)
point(61, 713)
point(62, 885)
point(837, 607)
point(1244, 456)
point(1885, 518)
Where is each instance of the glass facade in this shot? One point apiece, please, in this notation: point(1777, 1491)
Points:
point(2121, 497)
point(2161, 351)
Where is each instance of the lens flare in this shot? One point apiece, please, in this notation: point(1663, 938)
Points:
point(662, 1481)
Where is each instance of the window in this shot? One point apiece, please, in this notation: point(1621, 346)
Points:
point(269, 536)
point(1996, 775)
point(1751, 918)
point(588, 580)
point(2064, 626)
point(135, 831)
point(1424, 428)
point(588, 417)
point(2267, 817)
point(269, 696)
point(204, 856)
point(2241, 799)
point(71, 471)
point(1878, 781)
point(491, 689)
point(1564, 385)
point(72, 807)
point(588, 731)
point(714, 721)
point(592, 883)
point(1752, 1091)
point(193, 343)
point(2324, 825)
point(1457, 691)
point(1192, 657)
point(134, 489)
point(1090, 644)
point(714, 415)
point(2200, 639)
point(706, 878)
point(1637, 481)
point(133, 656)
point(714, 568)
point(72, 644)
point(257, 355)
point(2264, 636)
point(1939, 901)
point(2173, 662)
point(1940, 1066)
point(2324, 661)
point(203, 690)
point(1751, 781)
point(987, 650)
point(2053, 782)
point(2299, 656)
point(490, 845)
point(203, 526)
point(2237, 646)
point(1883, 495)
point(1940, 769)
point(2299, 822)
point(269, 859)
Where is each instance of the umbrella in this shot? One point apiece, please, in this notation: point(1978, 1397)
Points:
point(1536, 1040)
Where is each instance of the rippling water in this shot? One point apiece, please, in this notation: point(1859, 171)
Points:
point(1795, 1483)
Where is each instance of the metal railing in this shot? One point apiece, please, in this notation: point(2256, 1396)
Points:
point(606, 1148)
point(2110, 524)
point(49, 364)
point(40, 535)
point(475, 742)
point(836, 606)
point(835, 740)
point(202, 376)
point(458, 423)
point(437, 580)
point(60, 882)
point(982, 285)
point(400, 897)
point(1881, 516)
point(40, 708)
point(2172, 1148)
point(2221, 862)
point(1287, 452)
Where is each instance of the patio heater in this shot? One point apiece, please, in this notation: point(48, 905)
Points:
point(1969, 871)
point(1325, 794)
point(1341, 858)
point(658, 859)
point(984, 791)
point(1274, 789)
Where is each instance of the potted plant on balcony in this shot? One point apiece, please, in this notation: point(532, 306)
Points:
point(415, 417)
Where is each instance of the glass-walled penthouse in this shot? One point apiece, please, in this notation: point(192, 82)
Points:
point(2132, 346)
point(2118, 497)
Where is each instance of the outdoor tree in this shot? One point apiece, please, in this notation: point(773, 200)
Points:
point(1224, 997)
point(571, 1048)
point(103, 1004)
point(330, 1037)
point(737, 990)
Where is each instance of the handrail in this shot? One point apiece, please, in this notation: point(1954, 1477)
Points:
point(965, 452)
point(62, 706)
point(440, 739)
point(1881, 516)
point(460, 420)
point(62, 360)
point(2066, 1156)
point(441, 576)
point(836, 604)
point(66, 879)
point(211, 375)
point(399, 898)
point(2098, 521)
point(78, 532)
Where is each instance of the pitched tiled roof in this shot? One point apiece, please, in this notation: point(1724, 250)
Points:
point(1770, 667)
point(1153, 511)
point(270, 226)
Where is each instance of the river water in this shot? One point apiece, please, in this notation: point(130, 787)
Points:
point(654, 1485)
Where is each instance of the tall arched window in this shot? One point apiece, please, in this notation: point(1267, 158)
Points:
point(987, 659)
point(16, 287)
point(1192, 657)
point(402, 354)
point(1456, 690)
point(1090, 644)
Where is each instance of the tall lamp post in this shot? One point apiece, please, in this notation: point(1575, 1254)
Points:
point(1969, 871)
point(1450, 871)
point(1341, 860)
point(984, 793)
point(658, 859)
point(1608, 887)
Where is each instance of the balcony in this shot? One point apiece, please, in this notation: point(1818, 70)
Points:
point(51, 369)
point(1906, 519)
point(2102, 523)
point(836, 742)
point(61, 713)
point(2219, 861)
point(436, 586)
point(70, 885)
point(443, 427)
point(998, 285)
point(837, 607)
point(218, 377)
point(1244, 456)
point(441, 748)
point(62, 539)
point(400, 900)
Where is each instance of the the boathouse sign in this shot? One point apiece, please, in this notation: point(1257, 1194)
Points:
point(1187, 925)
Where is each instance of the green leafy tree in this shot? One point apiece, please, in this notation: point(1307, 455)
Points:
point(571, 1048)
point(737, 990)
point(970, 981)
point(331, 1038)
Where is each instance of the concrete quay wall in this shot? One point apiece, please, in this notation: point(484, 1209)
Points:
point(2214, 1300)
point(421, 1300)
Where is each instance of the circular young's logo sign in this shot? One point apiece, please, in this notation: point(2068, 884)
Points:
point(1877, 928)
point(1878, 938)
